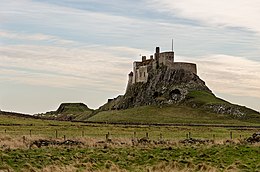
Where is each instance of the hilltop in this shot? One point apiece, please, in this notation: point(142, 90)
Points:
point(179, 96)
point(161, 90)
point(68, 112)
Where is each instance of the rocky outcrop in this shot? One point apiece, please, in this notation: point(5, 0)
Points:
point(164, 86)
point(255, 138)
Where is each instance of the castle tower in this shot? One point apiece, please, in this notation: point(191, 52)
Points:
point(130, 79)
point(143, 58)
point(157, 56)
point(157, 53)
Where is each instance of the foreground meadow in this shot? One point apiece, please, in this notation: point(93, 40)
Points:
point(194, 158)
point(42, 145)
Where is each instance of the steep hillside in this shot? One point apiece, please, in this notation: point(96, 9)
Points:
point(172, 96)
point(69, 112)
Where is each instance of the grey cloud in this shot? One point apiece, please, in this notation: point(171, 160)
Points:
point(62, 67)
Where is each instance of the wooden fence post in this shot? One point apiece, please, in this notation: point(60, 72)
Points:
point(56, 133)
point(23, 139)
point(231, 135)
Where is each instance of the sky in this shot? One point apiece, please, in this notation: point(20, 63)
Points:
point(54, 51)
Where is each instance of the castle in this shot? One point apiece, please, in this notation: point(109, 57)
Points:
point(141, 69)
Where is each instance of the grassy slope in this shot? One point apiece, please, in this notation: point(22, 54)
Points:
point(15, 120)
point(178, 113)
point(202, 98)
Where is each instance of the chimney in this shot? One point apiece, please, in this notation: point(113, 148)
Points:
point(157, 50)
point(157, 53)
point(143, 58)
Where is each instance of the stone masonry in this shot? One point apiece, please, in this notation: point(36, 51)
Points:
point(141, 69)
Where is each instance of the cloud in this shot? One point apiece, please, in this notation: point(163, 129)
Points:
point(99, 27)
point(98, 67)
point(222, 13)
point(55, 16)
point(34, 37)
point(231, 75)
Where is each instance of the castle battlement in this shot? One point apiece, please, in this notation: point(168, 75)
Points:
point(141, 69)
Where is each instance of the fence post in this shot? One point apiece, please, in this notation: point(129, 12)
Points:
point(56, 133)
point(23, 139)
point(147, 135)
point(82, 133)
point(189, 135)
point(5, 130)
point(231, 135)
point(30, 133)
point(64, 137)
point(134, 134)
point(214, 136)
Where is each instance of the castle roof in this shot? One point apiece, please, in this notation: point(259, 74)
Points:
point(131, 73)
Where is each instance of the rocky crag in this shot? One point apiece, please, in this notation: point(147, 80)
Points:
point(166, 86)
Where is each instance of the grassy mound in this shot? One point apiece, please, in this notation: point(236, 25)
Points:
point(69, 111)
point(194, 109)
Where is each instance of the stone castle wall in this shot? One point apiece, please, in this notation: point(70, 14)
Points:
point(166, 58)
point(142, 74)
point(186, 66)
point(142, 68)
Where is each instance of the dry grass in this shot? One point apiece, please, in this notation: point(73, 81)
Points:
point(120, 146)
point(175, 166)
point(24, 142)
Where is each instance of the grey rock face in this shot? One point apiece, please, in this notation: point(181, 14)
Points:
point(169, 86)
point(164, 86)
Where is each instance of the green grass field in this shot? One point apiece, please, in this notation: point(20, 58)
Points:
point(97, 154)
point(17, 127)
point(196, 158)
